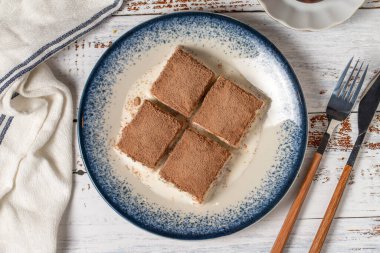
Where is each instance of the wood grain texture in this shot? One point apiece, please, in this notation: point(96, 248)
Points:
point(296, 206)
point(113, 235)
point(90, 225)
point(325, 225)
point(316, 62)
point(141, 7)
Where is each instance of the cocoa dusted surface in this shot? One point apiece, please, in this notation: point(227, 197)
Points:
point(194, 164)
point(149, 134)
point(227, 111)
point(182, 83)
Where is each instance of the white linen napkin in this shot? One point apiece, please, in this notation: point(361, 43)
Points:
point(36, 113)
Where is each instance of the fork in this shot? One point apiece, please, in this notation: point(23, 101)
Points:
point(339, 107)
point(367, 109)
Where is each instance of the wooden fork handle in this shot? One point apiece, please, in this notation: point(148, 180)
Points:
point(330, 212)
point(294, 210)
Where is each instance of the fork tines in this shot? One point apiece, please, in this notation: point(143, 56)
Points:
point(345, 86)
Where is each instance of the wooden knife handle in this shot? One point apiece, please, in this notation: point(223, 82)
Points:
point(291, 218)
point(330, 212)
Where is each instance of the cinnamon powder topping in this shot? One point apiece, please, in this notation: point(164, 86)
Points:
point(228, 111)
point(194, 164)
point(149, 134)
point(182, 83)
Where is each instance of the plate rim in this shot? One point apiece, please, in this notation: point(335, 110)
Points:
point(303, 115)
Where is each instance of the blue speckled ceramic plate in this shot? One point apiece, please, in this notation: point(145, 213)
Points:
point(261, 171)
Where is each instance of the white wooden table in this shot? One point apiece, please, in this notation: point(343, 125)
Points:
point(90, 225)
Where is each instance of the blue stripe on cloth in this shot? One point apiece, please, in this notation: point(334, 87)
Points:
point(5, 129)
point(52, 43)
point(2, 117)
point(42, 59)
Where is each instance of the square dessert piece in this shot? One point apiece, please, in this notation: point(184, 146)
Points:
point(228, 111)
point(182, 83)
point(149, 134)
point(194, 164)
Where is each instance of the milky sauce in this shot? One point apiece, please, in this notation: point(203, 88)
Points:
point(240, 165)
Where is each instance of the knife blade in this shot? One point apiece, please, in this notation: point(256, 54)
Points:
point(367, 109)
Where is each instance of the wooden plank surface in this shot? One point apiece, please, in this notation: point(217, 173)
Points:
point(139, 7)
point(89, 225)
point(317, 57)
point(350, 235)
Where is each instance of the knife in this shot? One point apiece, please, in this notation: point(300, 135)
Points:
point(367, 109)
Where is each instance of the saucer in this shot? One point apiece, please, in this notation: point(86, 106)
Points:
point(311, 16)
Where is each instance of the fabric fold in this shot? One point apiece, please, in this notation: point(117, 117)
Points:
point(36, 163)
point(36, 117)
